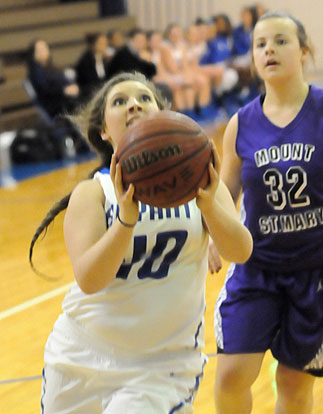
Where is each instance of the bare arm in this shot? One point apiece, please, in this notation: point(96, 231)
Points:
point(231, 163)
point(96, 252)
point(231, 237)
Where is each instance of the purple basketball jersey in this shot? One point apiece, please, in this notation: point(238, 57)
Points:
point(282, 180)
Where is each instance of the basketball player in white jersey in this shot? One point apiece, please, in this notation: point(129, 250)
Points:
point(131, 334)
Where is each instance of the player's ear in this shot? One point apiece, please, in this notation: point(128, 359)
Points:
point(105, 134)
point(305, 53)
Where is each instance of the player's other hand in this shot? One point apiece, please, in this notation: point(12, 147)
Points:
point(129, 208)
point(206, 196)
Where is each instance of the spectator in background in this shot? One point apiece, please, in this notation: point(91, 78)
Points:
point(92, 66)
point(220, 52)
point(196, 45)
point(198, 104)
point(55, 92)
point(164, 79)
point(220, 48)
point(116, 39)
point(205, 33)
point(196, 48)
point(242, 36)
point(128, 58)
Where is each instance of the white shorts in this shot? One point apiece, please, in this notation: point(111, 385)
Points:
point(75, 391)
point(74, 381)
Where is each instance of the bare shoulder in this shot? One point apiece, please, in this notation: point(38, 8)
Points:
point(231, 162)
point(87, 192)
point(231, 130)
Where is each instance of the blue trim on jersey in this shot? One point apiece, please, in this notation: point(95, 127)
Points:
point(190, 398)
point(180, 405)
point(43, 392)
point(105, 170)
point(197, 334)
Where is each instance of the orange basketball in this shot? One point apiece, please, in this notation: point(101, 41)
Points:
point(166, 156)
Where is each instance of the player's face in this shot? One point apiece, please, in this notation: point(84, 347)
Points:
point(126, 102)
point(101, 44)
point(41, 51)
point(176, 35)
point(276, 50)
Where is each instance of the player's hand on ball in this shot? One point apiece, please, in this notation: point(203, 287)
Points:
point(128, 207)
point(206, 196)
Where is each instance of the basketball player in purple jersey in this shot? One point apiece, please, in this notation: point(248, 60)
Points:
point(273, 150)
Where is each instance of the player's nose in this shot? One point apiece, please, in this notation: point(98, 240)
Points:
point(134, 105)
point(269, 49)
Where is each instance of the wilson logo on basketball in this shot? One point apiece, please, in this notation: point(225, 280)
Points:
point(146, 158)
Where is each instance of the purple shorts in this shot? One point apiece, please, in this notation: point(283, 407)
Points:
point(259, 310)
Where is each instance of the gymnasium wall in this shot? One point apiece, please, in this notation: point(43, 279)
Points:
point(156, 14)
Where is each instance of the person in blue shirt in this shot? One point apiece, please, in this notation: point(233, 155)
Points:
point(242, 36)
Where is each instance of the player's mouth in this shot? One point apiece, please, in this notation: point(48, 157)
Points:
point(132, 120)
point(271, 62)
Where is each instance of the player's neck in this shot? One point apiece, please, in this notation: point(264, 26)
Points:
point(281, 105)
point(288, 94)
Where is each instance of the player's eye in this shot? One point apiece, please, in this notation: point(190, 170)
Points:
point(118, 101)
point(281, 41)
point(260, 44)
point(145, 98)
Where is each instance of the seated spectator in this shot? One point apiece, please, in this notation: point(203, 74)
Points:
point(196, 48)
point(241, 62)
point(162, 77)
point(205, 34)
point(57, 95)
point(198, 104)
point(196, 43)
point(220, 52)
point(116, 39)
point(55, 92)
point(242, 37)
point(92, 67)
point(132, 56)
point(220, 48)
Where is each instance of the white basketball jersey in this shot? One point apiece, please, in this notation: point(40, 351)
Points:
point(157, 299)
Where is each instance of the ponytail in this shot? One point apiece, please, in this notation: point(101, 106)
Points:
point(61, 205)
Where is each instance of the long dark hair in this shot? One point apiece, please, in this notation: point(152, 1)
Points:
point(91, 122)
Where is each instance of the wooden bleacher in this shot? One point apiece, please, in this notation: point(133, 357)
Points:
point(21, 18)
point(14, 4)
point(63, 26)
